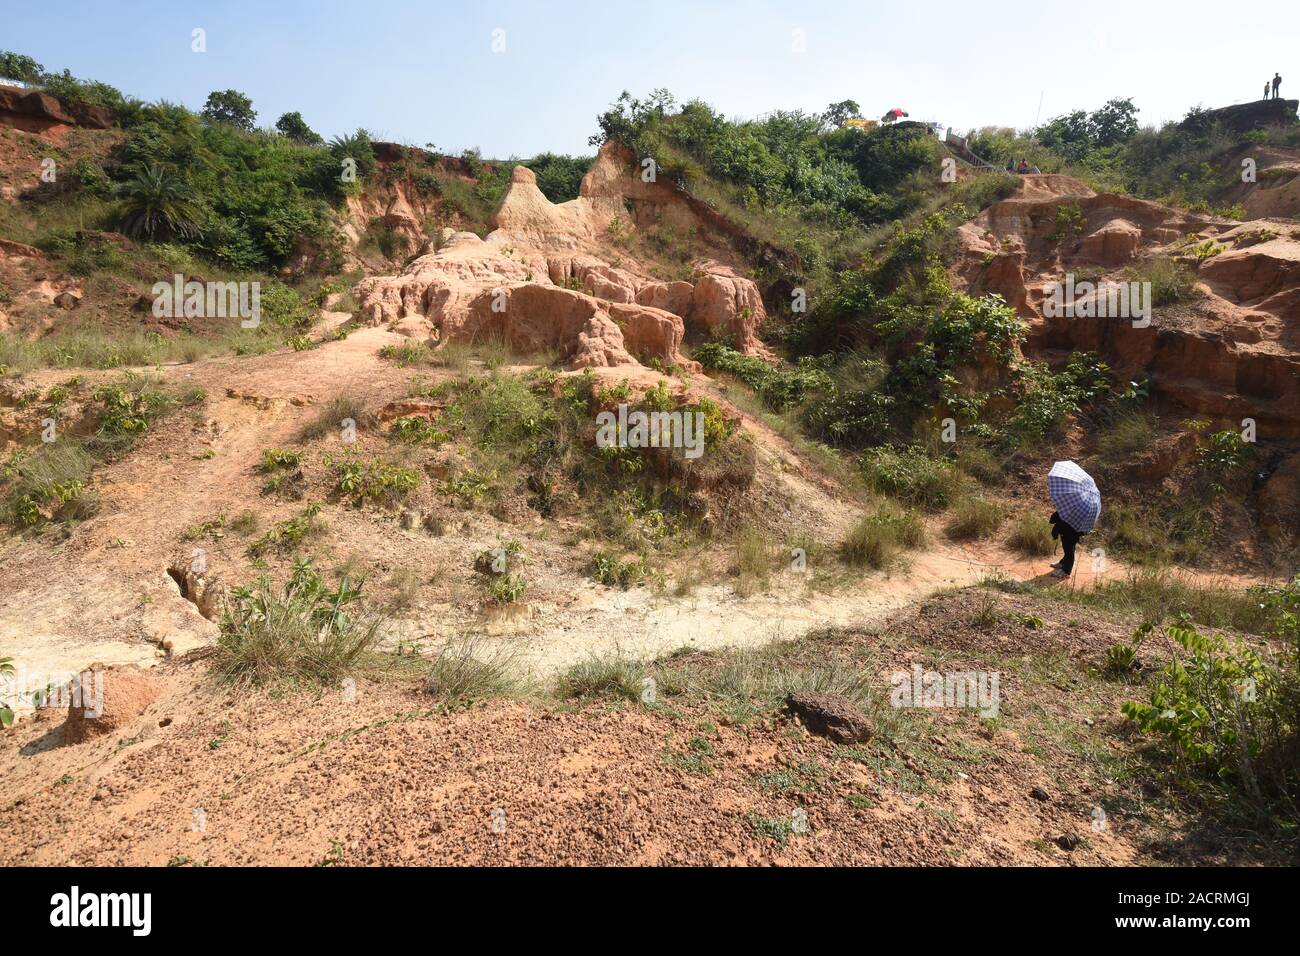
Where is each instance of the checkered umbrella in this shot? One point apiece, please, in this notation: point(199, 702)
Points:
point(1075, 495)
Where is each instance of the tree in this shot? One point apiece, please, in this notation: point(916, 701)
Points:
point(157, 205)
point(296, 128)
point(230, 107)
point(1116, 122)
point(15, 66)
point(357, 148)
point(837, 113)
point(1079, 134)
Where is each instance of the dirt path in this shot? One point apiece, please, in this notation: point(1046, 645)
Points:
point(103, 595)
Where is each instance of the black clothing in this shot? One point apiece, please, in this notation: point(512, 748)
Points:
point(1069, 540)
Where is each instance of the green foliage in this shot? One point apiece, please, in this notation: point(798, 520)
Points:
point(558, 176)
point(1221, 455)
point(1081, 136)
point(16, 66)
point(127, 408)
point(975, 517)
point(877, 538)
point(1047, 398)
point(506, 588)
point(374, 480)
point(609, 676)
point(1031, 534)
point(158, 205)
point(280, 459)
point(1171, 281)
point(232, 108)
point(780, 387)
point(296, 128)
point(835, 115)
point(1121, 659)
point(609, 569)
point(418, 430)
point(911, 476)
point(290, 533)
point(48, 483)
point(790, 158)
point(1222, 708)
point(306, 632)
point(6, 663)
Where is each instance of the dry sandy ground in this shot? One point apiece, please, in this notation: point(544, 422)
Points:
point(207, 775)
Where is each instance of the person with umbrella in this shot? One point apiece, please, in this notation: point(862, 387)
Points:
point(1078, 506)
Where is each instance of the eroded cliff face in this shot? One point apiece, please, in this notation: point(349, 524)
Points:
point(1233, 350)
point(544, 278)
point(1230, 353)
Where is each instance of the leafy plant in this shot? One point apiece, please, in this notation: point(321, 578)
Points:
point(1221, 707)
point(158, 205)
point(307, 631)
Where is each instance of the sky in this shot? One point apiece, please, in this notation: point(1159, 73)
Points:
point(516, 78)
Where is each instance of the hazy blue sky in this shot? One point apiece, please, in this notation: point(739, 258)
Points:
point(426, 72)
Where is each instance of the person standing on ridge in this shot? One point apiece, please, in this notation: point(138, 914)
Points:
point(1277, 81)
point(1266, 89)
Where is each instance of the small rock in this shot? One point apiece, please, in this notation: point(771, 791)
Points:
point(1038, 793)
point(830, 715)
point(1068, 841)
point(66, 300)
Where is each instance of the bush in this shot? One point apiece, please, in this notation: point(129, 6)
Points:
point(1171, 282)
point(374, 480)
point(610, 570)
point(779, 387)
point(911, 476)
point(306, 632)
point(463, 671)
point(1224, 710)
point(48, 483)
point(602, 676)
point(1031, 534)
point(878, 537)
point(975, 517)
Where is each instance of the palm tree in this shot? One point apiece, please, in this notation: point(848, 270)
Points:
point(157, 204)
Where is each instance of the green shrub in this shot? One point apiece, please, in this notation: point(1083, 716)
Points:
point(1223, 709)
point(975, 517)
point(1171, 282)
point(48, 483)
point(280, 459)
point(601, 676)
point(374, 480)
point(878, 537)
point(1031, 534)
point(911, 476)
point(1125, 437)
point(609, 569)
point(306, 632)
point(290, 533)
